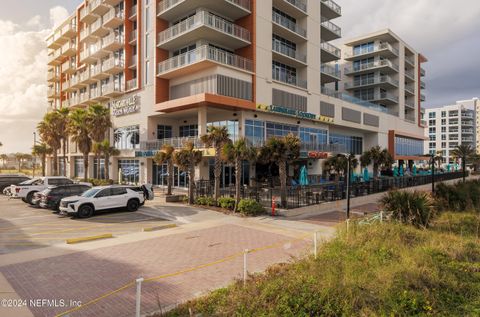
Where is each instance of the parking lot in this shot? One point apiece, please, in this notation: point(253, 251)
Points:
point(25, 227)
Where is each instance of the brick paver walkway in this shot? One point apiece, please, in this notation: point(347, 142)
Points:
point(86, 275)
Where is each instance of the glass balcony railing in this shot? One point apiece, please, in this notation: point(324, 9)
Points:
point(289, 79)
point(367, 66)
point(132, 84)
point(331, 49)
point(286, 23)
point(333, 6)
point(330, 70)
point(207, 19)
point(204, 53)
point(177, 142)
point(332, 27)
point(298, 4)
point(372, 49)
point(410, 73)
point(283, 49)
point(371, 81)
point(410, 60)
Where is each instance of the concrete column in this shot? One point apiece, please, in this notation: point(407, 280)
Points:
point(91, 161)
point(241, 124)
point(71, 166)
point(202, 120)
point(142, 178)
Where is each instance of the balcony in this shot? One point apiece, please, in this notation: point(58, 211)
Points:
point(382, 81)
point(422, 85)
point(410, 75)
point(69, 67)
point(112, 2)
point(113, 65)
point(468, 123)
point(74, 83)
point(52, 93)
point(422, 72)
point(289, 80)
point(97, 95)
point(410, 118)
point(329, 74)
point(178, 142)
point(453, 130)
point(69, 49)
point(86, 16)
point(53, 76)
point(234, 9)
point(97, 50)
point(384, 97)
point(409, 106)
point(423, 123)
point(329, 53)
point(410, 90)
point(112, 42)
point(466, 115)
point(467, 131)
point(68, 31)
point(206, 26)
point(98, 29)
point(85, 77)
point(330, 9)
point(422, 97)
point(113, 18)
point(201, 58)
point(294, 8)
point(132, 40)
point(133, 62)
point(287, 55)
point(467, 139)
point(383, 49)
point(133, 13)
point(97, 73)
point(286, 28)
point(98, 7)
point(410, 60)
point(383, 65)
point(112, 90)
point(55, 57)
point(329, 31)
point(86, 56)
point(132, 84)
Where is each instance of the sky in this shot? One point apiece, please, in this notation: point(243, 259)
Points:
point(445, 31)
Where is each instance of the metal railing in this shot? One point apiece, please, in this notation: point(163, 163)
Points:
point(302, 5)
point(331, 49)
point(361, 67)
point(166, 5)
point(332, 27)
point(284, 22)
point(409, 106)
point(410, 60)
point(410, 88)
point(333, 5)
point(133, 12)
point(330, 70)
point(373, 49)
point(422, 72)
point(178, 142)
point(283, 49)
point(371, 81)
point(133, 36)
point(204, 53)
point(410, 74)
point(208, 19)
point(132, 84)
point(289, 79)
point(111, 63)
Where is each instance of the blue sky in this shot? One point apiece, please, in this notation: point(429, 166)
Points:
point(445, 31)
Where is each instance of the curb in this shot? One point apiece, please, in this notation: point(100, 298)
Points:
point(91, 238)
point(150, 229)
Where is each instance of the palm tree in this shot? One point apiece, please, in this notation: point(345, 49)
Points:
point(4, 158)
point(63, 130)
point(235, 153)
point(186, 159)
point(97, 150)
point(216, 137)
point(378, 157)
point(50, 132)
point(281, 151)
point(42, 150)
point(108, 151)
point(78, 129)
point(464, 152)
point(19, 158)
point(98, 122)
point(339, 163)
point(166, 156)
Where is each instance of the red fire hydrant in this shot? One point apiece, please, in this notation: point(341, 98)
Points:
point(273, 206)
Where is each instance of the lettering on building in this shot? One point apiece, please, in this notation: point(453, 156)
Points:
point(294, 113)
point(125, 106)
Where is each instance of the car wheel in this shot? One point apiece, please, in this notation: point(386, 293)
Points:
point(133, 205)
point(30, 197)
point(85, 211)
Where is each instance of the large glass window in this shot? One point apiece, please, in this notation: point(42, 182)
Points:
point(408, 147)
point(284, 73)
point(102, 169)
point(432, 115)
point(127, 138)
point(279, 130)
point(232, 127)
point(363, 48)
point(313, 136)
point(79, 170)
point(255, 131)
point(164, 132)
point(189, 130)
point(130, 170)
point(160, 173)
point(353, 144)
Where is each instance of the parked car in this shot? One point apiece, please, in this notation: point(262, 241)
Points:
point(26, 191)
point(50, 198)
point(104, 198)
point(7, 180)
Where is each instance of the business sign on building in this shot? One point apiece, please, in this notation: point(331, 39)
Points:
point(294, 113)
point(145, 153)
point(125, 106)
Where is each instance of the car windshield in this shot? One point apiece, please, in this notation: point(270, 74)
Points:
point(91, 192)
point(37, 181)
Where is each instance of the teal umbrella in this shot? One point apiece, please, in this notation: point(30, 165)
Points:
point(448, 167)
point(456, 167)
point(395, 171)
point(401, 170)
point(303, 181)
point(414, 172)
point(366, 177)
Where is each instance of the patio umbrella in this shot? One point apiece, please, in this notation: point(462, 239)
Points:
point(414, 171)
point(366, 177)
point(456, 167)
point(395, 171)
point(401, 170)
point(448, 167)
point(303, 181)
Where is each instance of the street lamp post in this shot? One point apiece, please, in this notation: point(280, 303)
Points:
point(34, 156)
point(433, 172)
point(349, 162)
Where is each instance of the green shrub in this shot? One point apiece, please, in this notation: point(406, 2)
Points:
point(98, 182)
point(415, 208)
point(458, 197)
point(205, 201)
point(226, 202)
point(250, 207)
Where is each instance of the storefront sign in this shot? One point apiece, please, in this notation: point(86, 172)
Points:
point(318, 155)
point(125, 106)
point(294, 113)
point(145, 153)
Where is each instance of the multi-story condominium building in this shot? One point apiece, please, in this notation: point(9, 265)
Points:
point(448, 127)
point(170, 69)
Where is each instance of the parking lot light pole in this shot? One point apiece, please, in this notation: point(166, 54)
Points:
point(34, 156)
point(349, 159)
point(433, 172)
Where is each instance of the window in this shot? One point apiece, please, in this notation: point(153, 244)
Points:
point(127, 138)
point(313, 136)
point(104, 193)
point(363, 48)
point(102, 169)
point(59, 181)
point(444, 114)
point(433, 138)
point(147, 46)
point(160, 173)
point(164, 132)
point(432, 115)
point(130, 170)
point(284, 73)
point(147, 78)
point(279, 130)
point(432, 122)
point(353, 144)
point(432, 145)
point(363, 63)
point(232, 127)
point(284, 46)
point(444, 137)
point(147, 19)
point(444, 121)
point(189, 130)
point(408, 147)
point(444, 129)
point(117, 191)
point(79, 170)
point(365, 94)
point(444, 145)
point(255, 131)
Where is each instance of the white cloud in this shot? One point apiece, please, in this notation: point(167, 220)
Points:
point(23, 71)
point(58, 15)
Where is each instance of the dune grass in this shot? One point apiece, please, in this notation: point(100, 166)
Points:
point(375, 270)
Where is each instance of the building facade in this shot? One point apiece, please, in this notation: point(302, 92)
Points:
point(450, 126)
point(170, 69)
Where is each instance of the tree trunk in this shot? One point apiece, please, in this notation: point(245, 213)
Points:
point(282, 170)
point(85, 166)
point(97, 157)
point(64, 158)
point(107, 166)
point(238, 179)
point(44, 159)
point(217, 172)
point(170, 176)
point(55, 162)
point(191, 176)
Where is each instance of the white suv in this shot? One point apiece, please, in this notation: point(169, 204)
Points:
point(104, 198)
point(26, 191)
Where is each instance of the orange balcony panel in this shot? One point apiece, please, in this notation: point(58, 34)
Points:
point(204, 99)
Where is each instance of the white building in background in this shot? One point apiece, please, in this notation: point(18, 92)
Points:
point(450, 126)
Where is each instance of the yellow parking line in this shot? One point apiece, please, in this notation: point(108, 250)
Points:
point(91, 238)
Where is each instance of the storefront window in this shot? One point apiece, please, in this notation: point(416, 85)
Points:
point(127, 138)
point(188, 130)
point(255, 131)
point(313, 136)
point(228, 173)
point(102, 169)
point(159, 176)
point(408, 147)
point(130, 170)
point(353, 144)
point(279, 130)
point(164, 132)
point(79, 170)
point(232, 127)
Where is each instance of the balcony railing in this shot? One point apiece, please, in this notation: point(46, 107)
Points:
point(112, 38)
point(133, 36)
point(294, 27)
point(113, 13)
point(374, 49)
point(111, 63)
point(283, 49)
point(52, 75)
point(330, 70)
point(422, 72)
point(132, 84)
point(167, 4)
point(204, 53)
point(410, 60)
point(133, 13)
point(331, 49)
point(298, 4)
point(208, 19)
point(410, 89)
point(332, 5)
point(371, 81)
point(289, 79)
point(468, 131)
point(367, 66)
point(467, 139)
point(326, 23)
point(178, 142)
point(111, 88)
point(467, 123)
point(410, 118)
point(410, 74)
point(85, 75)
point(467, 115)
